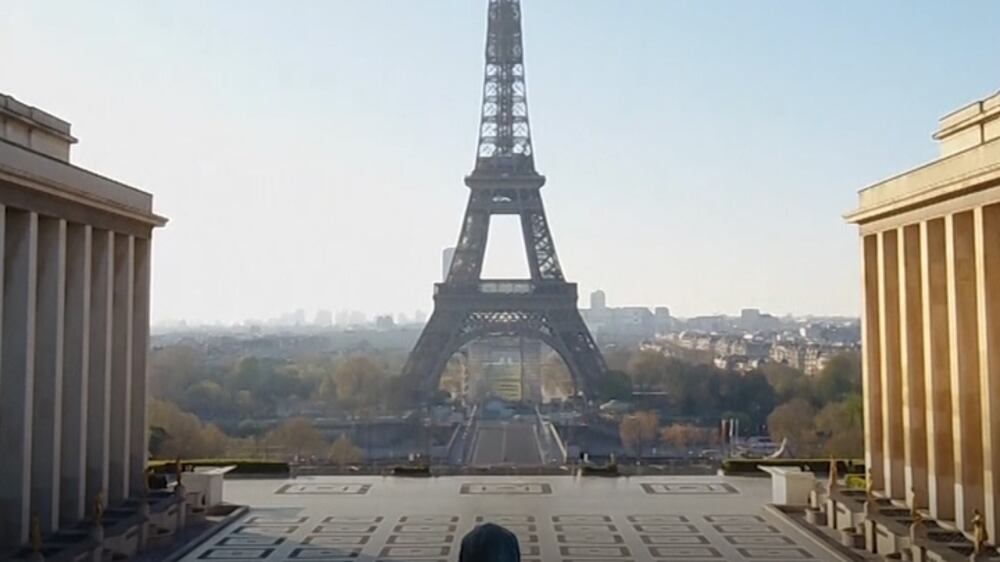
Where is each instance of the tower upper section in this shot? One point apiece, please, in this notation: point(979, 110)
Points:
point(505, 154)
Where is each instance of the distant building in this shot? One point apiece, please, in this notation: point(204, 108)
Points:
point(753, 320)
point(342, 318)
point(507, 368)
point(598, 300)
point(716, 323)
point(627, 325)
point(662, 321)
point(323, 318)
point(384, 322)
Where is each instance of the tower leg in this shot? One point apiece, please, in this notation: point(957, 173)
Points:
point(430, 355)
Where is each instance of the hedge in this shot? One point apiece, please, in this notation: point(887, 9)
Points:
point(243, 466)
point(607, 470)
point(752, 466)
point(411, 470)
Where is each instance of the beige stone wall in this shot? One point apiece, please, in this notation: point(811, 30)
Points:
point(35, 129)
point(74, 330)
point(931, 324)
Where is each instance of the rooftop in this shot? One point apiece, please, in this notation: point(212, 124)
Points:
point(35, 160)
point(970, 160)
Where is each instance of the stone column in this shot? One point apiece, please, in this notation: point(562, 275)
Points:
point(102, 261)
point(138, 434)
point(871, 367)
point(121, 368)
point(47, 409)
point(912, 366)
point(965, 402)
point(891, 376)
point(988, 268)
point(76, 358)
point(937, 369)
point(17, 370)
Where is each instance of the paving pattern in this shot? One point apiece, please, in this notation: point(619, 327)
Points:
point(564, 519)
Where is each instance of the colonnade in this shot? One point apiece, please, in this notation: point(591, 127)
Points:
point(931, 335)
point(74, 337)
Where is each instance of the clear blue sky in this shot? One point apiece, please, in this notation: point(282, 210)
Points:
point(311, 154)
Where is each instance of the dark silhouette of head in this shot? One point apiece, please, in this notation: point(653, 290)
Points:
point(489, 543)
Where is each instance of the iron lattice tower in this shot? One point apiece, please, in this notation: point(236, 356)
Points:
point(504, 182)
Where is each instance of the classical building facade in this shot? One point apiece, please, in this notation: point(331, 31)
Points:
point(930, 244)
point(74, 332)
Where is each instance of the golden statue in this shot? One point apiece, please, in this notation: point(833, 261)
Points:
point(98, 508)
point(833, 473)
point(917, 528)
point(36, 534)
point(979, 534)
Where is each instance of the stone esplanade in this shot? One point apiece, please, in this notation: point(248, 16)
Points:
point(555, 518)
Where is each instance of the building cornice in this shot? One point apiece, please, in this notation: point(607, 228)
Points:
point(55, 178)
point(964, 172)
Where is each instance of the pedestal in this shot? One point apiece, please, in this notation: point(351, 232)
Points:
point(790, 485)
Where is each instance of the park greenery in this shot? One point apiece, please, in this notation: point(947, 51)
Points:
point(209, 401)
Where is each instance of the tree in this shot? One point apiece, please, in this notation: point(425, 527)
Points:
point(638, 430)
point(183, 433)
point(787, 382)
point(358, 381)
point(683, 436)
point(647, 369)
point(795, 420)
point(840, 377)
point(614, 385)
point(344, 452)
point(207, 397)
point(298, 437)
point(173, 369)
point(842, 429)
point(628, 431)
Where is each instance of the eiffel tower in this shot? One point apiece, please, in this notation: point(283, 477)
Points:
point(504, 182)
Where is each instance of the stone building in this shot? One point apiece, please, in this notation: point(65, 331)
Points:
point(74, 333)
point(930, 244)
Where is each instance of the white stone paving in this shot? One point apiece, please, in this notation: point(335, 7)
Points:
point(564, 519)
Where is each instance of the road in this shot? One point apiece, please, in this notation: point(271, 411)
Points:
point(506, 443)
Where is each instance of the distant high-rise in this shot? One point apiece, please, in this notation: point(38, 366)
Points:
point(323, 318)
point(598, 300)
point(342, 318)
point(447, 255)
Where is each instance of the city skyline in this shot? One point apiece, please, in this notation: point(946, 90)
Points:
point(302, 161)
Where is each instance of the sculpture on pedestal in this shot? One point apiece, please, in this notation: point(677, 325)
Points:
point(98, 511)
point(36, 537)
point(870, 493)
point(979, 534)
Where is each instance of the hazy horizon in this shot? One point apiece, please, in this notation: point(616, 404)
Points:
point(311, 155)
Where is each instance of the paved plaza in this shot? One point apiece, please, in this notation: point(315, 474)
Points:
point(556, 519)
